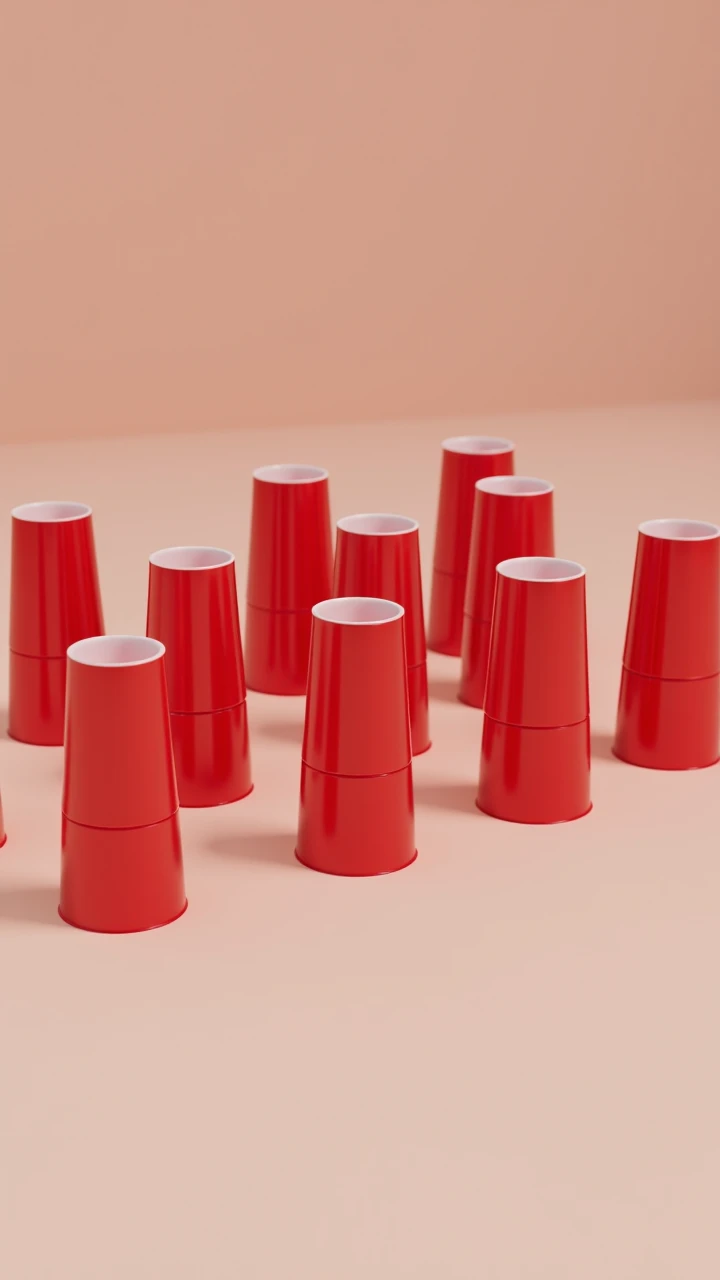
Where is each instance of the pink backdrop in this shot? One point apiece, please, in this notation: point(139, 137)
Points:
point(230, 213)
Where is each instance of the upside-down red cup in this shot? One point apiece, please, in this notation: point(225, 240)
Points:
point(466, 459)
point(535, 758)
point(512, 517)
point(379, 555)
point(54, 601)
point(193, 611)
point(669, 703)
point(290, 569)
point(121, 854)
point(356, 798)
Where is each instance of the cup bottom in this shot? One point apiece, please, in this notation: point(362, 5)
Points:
point(535, 776)
point(356, 826)
point(668, 724)
point(212, 757)
point(36, 708)
point(419, 711)
point(447, 600)
point(121, 880)
point(276, 650)
point(475, 656)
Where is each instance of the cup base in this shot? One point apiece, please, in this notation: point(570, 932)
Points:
point(124, 880)
point(475, 657)
point(668, 724)
point(447, 600)
point(212, 757)
point(36, 708)
point(277, 651)
point(419, 711)
point(536, 776)
point(356, 826)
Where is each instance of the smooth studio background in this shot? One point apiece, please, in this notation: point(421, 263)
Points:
point(237, 214)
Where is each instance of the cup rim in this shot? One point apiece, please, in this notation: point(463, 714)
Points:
point(512, 569)
point(408, 524)
point(81, 650)
point(74, 511)
point(227, 559)
point(489, 445)
point(651, 529)
point(324, 609)
point(496, 485)
point(314, 474)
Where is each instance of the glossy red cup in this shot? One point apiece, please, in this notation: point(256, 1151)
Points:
point(537, 673)
point(356, 717)
point(512, 517)
point(669, 704)
point(356, 826)
point(673, 630)
point(379, 555)
point(54, 601)
point(466, 459)
point(290, 569)
point(192, 610)
point(535, 775)
point(122, 863)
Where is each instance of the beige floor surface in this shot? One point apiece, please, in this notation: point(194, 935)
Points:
point(502, 1063)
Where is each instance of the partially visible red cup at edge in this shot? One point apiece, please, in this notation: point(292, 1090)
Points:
point(535, 758)
point(290, 569)
point(512, 517)
point(193, 611)
point(378, 555)
point(122, 869)
point(465, 460)
point(54, 601)
point(669, 703)
point(356, 798)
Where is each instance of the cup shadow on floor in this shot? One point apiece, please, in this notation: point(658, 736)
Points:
point(260, 846)
point(601, 747)
point(458, 796)
point(31, 904)
point(443, 690)
point(281, 731)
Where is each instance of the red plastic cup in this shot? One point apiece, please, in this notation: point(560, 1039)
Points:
point(290, 569)
point(535, 759)
point(513, 517)
point(356, 801)
point(54, 601)
point(669, 704)
point(122, 862)
point(466, 459)
point(192, 610)
point(379, 555)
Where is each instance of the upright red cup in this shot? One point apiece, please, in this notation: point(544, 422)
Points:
point(356, 801)
point(290, 570)
point(54, 601)
point(465, 460)
point(121, 854)
point(669, 704)
point(535, 760)
point(193, 611)
point(379, 556)
point(513, 517)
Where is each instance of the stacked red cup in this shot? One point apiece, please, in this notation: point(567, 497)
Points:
point(193, 611)
point(54, 600)
point(379, 555)
point(669, 705)
point(290, 569)
point(513, 517)
point(356, 792)
point(465, 460)
point(122, 868)
point(535, 760)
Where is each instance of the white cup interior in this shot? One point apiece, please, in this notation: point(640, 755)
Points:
point(354, 611)
point(478, 444)
point(290, 473)
point(191, 558)
point(51, 512)
point(513, 486)
point(680, 530)
point(116, 651)
point(378, 523)
point(540, 569)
